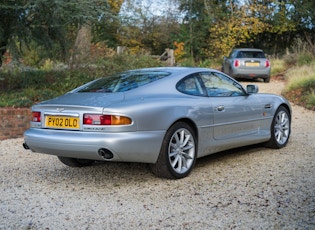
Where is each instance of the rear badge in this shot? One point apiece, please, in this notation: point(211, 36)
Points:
point(60, 109)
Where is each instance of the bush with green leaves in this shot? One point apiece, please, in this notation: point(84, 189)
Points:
point(25, 87)
point(300, 88)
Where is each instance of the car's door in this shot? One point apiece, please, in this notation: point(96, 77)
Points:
point(236, 114)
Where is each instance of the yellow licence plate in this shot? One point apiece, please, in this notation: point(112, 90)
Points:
point(62, 122)
point(252, 64)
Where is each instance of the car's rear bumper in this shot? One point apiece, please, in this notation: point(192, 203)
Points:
point(250, 73)
point(128, 146)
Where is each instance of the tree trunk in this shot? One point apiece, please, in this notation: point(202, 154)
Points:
point(2, 51)
point(81, 51)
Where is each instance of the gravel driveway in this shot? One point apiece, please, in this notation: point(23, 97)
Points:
point(246, 188)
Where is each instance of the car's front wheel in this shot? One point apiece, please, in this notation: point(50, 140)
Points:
point(74, 162)
point(280, 129)
point(178, 152)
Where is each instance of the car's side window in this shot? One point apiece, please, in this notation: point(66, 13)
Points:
point(219, 85)
point(232, 54)
point(190, 85)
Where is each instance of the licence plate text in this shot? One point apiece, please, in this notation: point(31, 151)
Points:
point(252, 64)
point(62, 122)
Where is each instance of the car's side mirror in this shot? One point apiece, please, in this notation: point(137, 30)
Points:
point(251, 89)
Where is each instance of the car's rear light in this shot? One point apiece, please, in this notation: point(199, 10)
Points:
point(36, 116)
point(99, 119)
point(267, 64)
point(237, 63)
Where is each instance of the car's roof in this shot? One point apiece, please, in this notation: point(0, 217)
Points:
point(174, 69)
point(168, 83)
point(248, 49)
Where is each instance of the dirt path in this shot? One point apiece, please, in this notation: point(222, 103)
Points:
point(246, 188)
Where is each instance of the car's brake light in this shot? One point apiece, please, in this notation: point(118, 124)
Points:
point(267, 64)
point(99, 119)
point(36, 116)
point(237, 63)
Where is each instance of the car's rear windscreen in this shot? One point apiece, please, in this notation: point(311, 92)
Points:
point(124, 81)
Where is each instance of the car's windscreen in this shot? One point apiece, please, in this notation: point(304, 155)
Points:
point(124, 81)
point(250, 54)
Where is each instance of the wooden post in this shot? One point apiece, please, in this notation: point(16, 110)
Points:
point(121, 49)
point(170, 57)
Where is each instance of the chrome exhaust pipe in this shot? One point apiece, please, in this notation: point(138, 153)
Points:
point(105, 153)
point(25, 146)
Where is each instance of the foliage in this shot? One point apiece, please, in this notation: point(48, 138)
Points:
point(229, 33)
point(37, 30)
point(305, 59)
point(247, 23)
point(24, 87)
point(277, 66)
point(144, 31)
point(301, 86)
point(194, 31)
point(179, 51)
point(44, 23)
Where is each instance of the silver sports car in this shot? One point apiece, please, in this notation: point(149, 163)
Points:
point(166, 117)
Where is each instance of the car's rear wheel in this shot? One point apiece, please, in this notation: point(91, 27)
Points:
point(267, 79)
point(74, 162)
point(178, 152)
point(280, 129)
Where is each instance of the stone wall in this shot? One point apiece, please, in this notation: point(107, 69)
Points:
point(13, 122)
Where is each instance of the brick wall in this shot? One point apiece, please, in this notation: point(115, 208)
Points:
point(13, 122)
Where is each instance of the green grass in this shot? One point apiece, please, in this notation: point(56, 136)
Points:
point(277, 66)
point(300, 88)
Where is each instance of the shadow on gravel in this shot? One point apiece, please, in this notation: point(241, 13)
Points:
point(228, 154)
point(117, 174)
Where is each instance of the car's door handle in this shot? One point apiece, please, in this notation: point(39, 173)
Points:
point(220, 108)
point(268, 106)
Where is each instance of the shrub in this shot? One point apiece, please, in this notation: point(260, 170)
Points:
point(290, 60)
point(277, 66)
point(305, 59)
point(215, 63)
point(189, 62)
point(301, 86)
point(21, 87)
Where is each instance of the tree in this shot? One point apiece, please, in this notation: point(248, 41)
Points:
point(195, 25)
point(147, 26)
point(304, 15)
point(104, 25)
point(106, 29)
point(240, 26)
point(45, 22)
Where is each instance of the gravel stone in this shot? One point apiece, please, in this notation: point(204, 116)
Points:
point(245, 188)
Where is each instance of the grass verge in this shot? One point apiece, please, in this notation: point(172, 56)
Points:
point(300, 88)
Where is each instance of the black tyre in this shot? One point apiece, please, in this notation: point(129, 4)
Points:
point(267, 79)
point(73, 162)
point(178, 152)
point(280, 129)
